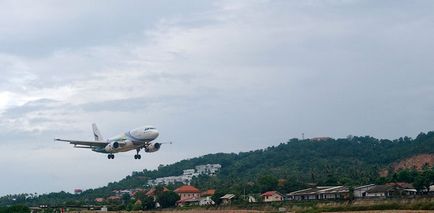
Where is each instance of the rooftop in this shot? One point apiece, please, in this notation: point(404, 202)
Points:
point(380, 189)
point(270, 193)
point(187, 189)
point(228, 196)
point(321, 190)
point(209, 192)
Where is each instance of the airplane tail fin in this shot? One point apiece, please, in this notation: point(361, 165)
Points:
point(97, 133)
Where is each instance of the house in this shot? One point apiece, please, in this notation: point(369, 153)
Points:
point(402, 189)
point(272, 196)
point(205, 199)
point(194, 201)
point(320, 193)
point(395, 189)
point(227, 198)
point(187, 192)
point(189, 195)
point(208, 193)
point(380, 191)
point(360, 191)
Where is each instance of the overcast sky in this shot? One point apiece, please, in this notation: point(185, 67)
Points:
point(212, 76)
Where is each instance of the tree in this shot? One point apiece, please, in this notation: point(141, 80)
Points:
point(137, 206)
point(126, 198)
point(15, 209)
point(267, 183)
point(217, 195)
point(148, 203)
point(419, 183)
point(167, 199)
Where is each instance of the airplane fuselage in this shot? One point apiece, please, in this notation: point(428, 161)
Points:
point(132, 140)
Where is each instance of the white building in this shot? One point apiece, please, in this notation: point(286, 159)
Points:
point(320, 193)
point(187, 175)
point(360, 192)
point(208, 169)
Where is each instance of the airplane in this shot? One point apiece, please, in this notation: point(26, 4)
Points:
point(138, 138)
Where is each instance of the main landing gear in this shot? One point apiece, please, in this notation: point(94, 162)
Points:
point(137, 156)
point(111, 156)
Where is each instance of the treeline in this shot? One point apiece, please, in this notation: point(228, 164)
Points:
point(286, 167)
point(15, 209)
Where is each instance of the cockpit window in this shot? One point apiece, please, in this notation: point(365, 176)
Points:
point(149, 128)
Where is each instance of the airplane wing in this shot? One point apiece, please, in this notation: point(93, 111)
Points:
point(85, 143)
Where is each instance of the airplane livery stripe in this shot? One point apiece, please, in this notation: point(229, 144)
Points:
point(128, 134)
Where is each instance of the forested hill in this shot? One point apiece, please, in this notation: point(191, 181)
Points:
point(287, 166)
point(296, 163)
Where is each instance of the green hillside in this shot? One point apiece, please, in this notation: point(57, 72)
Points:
point(286, 167)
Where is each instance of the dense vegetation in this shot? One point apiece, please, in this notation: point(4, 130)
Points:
point(286, 167)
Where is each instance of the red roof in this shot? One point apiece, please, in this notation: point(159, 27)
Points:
point(270, 193)
point(187, 189)
point(153, 191)
point(209, 192)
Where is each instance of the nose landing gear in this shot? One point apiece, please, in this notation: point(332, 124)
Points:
point(111, 156)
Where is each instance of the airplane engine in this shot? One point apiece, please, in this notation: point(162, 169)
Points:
point(153, 147)
point(111, 147)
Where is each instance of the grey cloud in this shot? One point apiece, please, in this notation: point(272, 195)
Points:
point(31, 107)
point(239, 75)
point(71, 25)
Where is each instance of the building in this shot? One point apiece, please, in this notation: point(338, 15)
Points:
point(77, 191)
point(272, 196)
point(402, 189)
point(189, 202)
point(208, 169)
point(360, 191)
point(227, 199)
point(187, 175)
point(205, 199)
point(396, 189)
point(380, 191)
point(187, 192)
point(320, 193)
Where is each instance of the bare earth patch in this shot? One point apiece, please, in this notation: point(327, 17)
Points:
point(417, 162)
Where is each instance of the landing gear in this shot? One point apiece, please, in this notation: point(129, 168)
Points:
point(137, 156)
point(111, 156)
